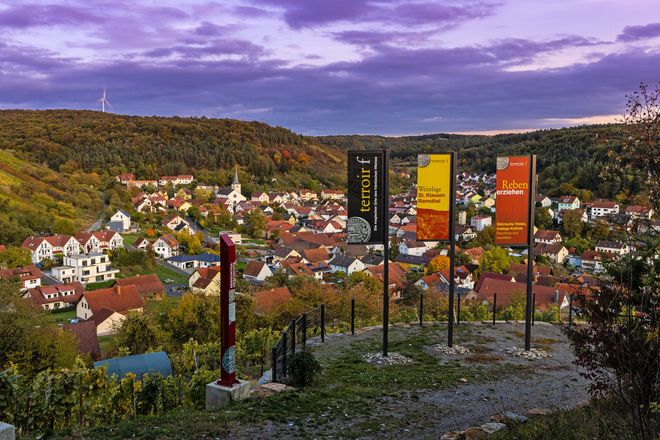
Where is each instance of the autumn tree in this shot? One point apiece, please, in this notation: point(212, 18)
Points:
point(15, 256)
point(496, 259)
point(572, 223)
point(438, 263)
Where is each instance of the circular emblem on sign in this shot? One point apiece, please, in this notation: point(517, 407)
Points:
point(229, 360)
point(502, 163)
point(423, 160)
point(359, 230)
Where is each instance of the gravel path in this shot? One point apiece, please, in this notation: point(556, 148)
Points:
point(551, 383)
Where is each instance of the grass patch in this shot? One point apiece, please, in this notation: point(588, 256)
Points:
point(63, 316)
point(348, 390)
point(100, 285)
point(131, 238)
point(165, 274)
point(606, 420)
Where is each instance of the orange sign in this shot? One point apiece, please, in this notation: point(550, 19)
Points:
point(512, 200)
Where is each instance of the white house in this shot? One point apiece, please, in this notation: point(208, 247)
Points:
point(47, 247)
point(260, 197)
point(602, 208)
point(568, 203)
point(87, 268)
point(28, 277)
point(187, 262)
point(409, 247)
point(479, 222)
point(122, 217)
point(346, 264)
point(612, 247)
point(256, 271)
point(166, 246)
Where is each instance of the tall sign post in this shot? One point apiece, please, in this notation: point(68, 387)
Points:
point(436, 199)
point(514, 226)
point(368, 211)
point(227, 389)
point(227, 311)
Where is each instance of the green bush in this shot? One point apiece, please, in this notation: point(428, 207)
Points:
point(302, 368)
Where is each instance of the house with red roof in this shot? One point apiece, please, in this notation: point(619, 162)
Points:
point(47, 247)
point(28, 277)
point(108, 307)
point(149, 286)
point(55, 296)
point(256, 272)
point(205, 280)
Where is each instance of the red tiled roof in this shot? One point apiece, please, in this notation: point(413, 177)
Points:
point(25, 273)
point(313, 255)
point(507, 290)
point(253, 268)
point(486, 275)
point(147, 285)
point(117, 298)
point(38, 294)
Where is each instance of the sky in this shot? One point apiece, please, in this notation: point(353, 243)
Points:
point(391, 67)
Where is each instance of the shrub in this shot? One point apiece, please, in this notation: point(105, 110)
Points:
point(302, 368)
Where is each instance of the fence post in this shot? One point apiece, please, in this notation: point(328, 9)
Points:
point(322, 322)
point(533, 308)
point(494, 307)
point(292, 326)
point(285, 336)
point(273, 354)
point(421, 309)
point(570, 311)
point(353, 316)
point(304, 331)
point(458, 309)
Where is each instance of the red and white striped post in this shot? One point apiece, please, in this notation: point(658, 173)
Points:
point(227, 311)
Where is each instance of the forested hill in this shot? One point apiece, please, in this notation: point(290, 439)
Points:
point(154, 146)
point(569, 159)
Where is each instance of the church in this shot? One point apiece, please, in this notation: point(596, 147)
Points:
point(232, 195)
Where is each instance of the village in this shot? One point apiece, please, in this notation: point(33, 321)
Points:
point(302, 233)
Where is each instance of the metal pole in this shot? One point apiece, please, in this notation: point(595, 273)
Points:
point(322, 322)
point(292, 326)
point(530, 248)
point(353, 316)
point(273, 354)
point(533, 308)
point(385, 222)
point(421, 309)
point(570, 311)
point(284, 338)
point(458, 309)
point(452, 250)
point(304, 331)
point(494, 307)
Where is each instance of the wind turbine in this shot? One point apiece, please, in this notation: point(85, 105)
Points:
point(103, 101)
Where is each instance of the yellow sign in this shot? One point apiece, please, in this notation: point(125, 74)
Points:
point(433, 196)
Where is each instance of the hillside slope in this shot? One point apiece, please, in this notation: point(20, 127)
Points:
point(574, 157)
point(35, 199)
point(153, 146)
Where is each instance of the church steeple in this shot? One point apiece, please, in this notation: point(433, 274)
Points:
point(236, 185)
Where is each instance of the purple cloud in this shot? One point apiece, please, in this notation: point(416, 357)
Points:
point(635, 33)
point(31, 15)
point(309, 13)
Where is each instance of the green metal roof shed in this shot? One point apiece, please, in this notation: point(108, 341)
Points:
point(139, 364)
